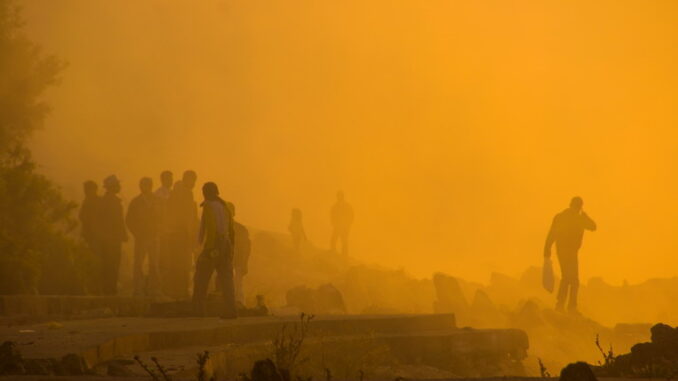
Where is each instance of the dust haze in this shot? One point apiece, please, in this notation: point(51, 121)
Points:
point(456, 129)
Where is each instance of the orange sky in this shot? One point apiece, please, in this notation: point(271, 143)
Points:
point(457, 129)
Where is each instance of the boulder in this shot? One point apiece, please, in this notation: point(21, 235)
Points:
point(265, 370)
point(449, 296)
point(579, 371)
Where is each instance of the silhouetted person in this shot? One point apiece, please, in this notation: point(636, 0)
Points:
point(567, 232)
point(90, 224)
point(162, 195)
point(113, 234)
point(217, 238)
point(89, 216)
point(241, 254)
point(183, 218)
point(342, 219)
point(296, 229)
point(142, 222)
point(166, 181)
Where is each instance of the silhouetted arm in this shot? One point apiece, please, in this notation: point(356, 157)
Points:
point(201, 231)
point(589, 224)
point(231, 232)
point(131, 217)
point(121, 223)
point(550, 238)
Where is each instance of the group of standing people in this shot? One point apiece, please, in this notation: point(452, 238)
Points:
point(167, 232)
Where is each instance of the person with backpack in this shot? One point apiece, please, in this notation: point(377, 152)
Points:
point(217, 237)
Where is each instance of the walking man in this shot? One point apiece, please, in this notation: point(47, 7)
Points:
point(342, 219)
point(217, 237)
point(567, 232)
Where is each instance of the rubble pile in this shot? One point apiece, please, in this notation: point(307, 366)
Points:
point(657, 358)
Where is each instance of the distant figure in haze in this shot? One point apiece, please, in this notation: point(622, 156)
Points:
point(166, 182)
point(90, 223)
point(183, 219)
point(162, 195)
point(242, 247)
point(142, 222)
point(113, 234)
point(342, 219)
point(567, 231)
point(296, 230)
point(217, 238)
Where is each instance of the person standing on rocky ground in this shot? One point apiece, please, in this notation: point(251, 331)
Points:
point(113, 234)
point(296, 229)
point(342, 219)
point(567, 232)
point(162, 195)
point(142, 222)
point(242, 247)
point(183, 218)
point(217, 236)
point(90, 226)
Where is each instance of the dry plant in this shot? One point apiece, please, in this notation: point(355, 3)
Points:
point(542, 370)
point(163, 374)
point(287, 346)
point(201, 359)
point(608, 356)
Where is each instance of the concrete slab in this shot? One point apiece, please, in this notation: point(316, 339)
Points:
point(72, 306)
point(99, 340)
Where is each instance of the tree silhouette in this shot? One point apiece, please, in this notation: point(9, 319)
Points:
point(34, 217)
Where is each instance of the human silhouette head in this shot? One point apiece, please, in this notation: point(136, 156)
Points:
point(210, 191)
point(296, 214)
point(146, 185)
point(166, 179)
point(577, 203)
point(188, 179)
point(112, 184)
point(90, 188)
point(340, 196)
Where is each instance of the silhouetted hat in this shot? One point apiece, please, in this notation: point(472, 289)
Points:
point(110, 181)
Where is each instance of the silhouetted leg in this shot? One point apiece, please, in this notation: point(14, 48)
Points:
point(344, 243)
point(164, 257)
point(204, 267)
point(333, 241)
point(570, 277)
point(110, 266)
point(225, 270)
point(562, 294)
point(186, 258)
point(153, 267)
point(105, 269)
point(574, 287)
point(237, 284)
point(139, 254)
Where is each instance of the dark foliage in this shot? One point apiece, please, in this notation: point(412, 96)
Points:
point(658, 358)
point(35, 220)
